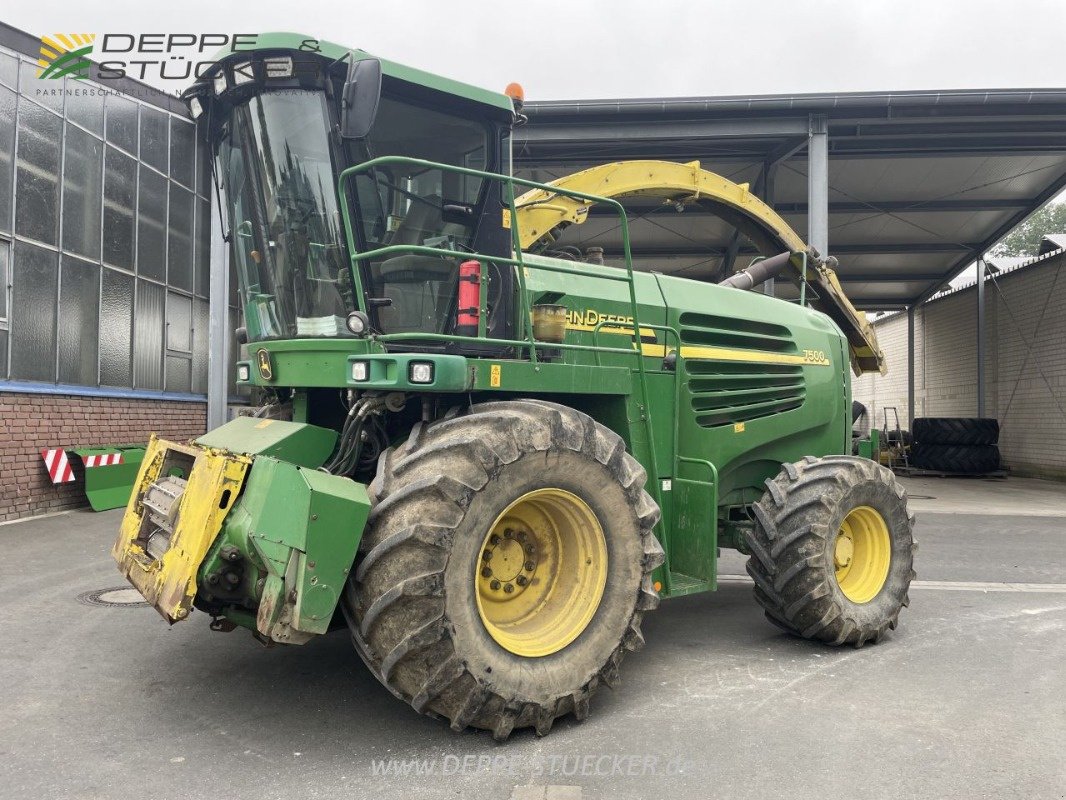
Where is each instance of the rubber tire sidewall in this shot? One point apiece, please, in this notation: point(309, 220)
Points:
point(545, 678)
point(880, 497)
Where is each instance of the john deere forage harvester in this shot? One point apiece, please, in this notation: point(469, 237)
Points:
point(484, 457)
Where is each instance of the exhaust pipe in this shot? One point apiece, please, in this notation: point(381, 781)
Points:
point(757, 273)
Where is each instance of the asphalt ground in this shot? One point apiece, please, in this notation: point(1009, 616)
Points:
point(967, 698)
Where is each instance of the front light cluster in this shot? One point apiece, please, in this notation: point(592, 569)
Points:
point(420, 372)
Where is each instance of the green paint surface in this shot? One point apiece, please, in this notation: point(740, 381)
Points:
point(111, 486)
point(302, 444)
point(293, 515)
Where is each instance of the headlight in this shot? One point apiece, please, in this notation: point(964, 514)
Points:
point(220, 83)
point(196, 108)
point(357, 322)
point(420, 372)
point(360, 371)
point(244, 372)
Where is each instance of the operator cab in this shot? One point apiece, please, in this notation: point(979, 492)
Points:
point(283, 124)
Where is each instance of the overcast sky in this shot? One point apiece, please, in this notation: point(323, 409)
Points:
point(638, 48)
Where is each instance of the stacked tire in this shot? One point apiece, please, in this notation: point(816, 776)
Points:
point(962, 445)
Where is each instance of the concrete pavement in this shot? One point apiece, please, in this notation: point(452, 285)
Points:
point(965, 700)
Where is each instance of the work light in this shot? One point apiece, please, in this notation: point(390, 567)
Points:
point(243, 73)
point(357, 322)
point(420, 372)
point(360, 371)
point(278, 67)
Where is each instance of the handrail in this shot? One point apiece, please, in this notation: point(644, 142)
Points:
point(529, 342)
point(415, 336)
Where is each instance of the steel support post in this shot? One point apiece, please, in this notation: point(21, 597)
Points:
point(910, 367)
point(981, 335)
point(818, 184)
point(218, 356)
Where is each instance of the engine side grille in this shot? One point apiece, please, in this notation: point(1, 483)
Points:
point(709, 330)
point(725, 392)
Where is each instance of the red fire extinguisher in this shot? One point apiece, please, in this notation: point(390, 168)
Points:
point(468, 310)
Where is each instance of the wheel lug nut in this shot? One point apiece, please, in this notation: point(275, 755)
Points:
point(486, 555)
point(495, 584)
point(529, 549)
point(486, 572)
point(521, 536)
point(508, 588)
point(521, 580)
point(494, 539)
point(508, 534)
point(530, 566)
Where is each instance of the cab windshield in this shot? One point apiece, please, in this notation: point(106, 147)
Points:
point(285, 226)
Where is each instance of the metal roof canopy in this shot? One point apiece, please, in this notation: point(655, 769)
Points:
point(920, 183)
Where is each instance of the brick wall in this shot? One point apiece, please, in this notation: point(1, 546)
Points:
point(29, 422)
point(1025, 363)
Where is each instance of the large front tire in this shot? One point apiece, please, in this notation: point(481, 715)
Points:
point(832, 550)
point(468, 495)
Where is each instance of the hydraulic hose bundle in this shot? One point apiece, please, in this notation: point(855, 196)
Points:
point(352, 438)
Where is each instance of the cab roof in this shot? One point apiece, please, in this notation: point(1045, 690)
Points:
point(283, 40)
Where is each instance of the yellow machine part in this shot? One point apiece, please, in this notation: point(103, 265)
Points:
point(542, 215)
point(543, 572)
point(169, 582)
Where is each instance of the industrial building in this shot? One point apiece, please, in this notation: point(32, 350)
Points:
point(1024, 366)
point(105, 218)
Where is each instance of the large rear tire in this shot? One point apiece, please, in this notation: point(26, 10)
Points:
point(506, 566)
point(956, 430)
point(973, 459)
point(832, 550)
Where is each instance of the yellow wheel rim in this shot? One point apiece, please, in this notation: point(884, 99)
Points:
point(541, 572)
point(862, 553)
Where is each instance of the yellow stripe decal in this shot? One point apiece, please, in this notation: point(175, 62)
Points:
point(62, 37)
point(811, 358)
point(621, 330)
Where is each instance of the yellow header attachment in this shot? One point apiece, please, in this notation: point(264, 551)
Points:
point(543, 214)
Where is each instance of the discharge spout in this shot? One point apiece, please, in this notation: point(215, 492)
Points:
point(757, 273)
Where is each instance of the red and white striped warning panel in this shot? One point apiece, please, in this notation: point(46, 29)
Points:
point(105, 460)
point(57, 464)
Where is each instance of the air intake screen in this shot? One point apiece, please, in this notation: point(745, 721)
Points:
point(727, 392)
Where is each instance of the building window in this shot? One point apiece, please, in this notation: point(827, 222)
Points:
point(105, 224)
point(34, 284)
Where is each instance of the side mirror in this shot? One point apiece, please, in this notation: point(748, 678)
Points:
point(359, 99)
